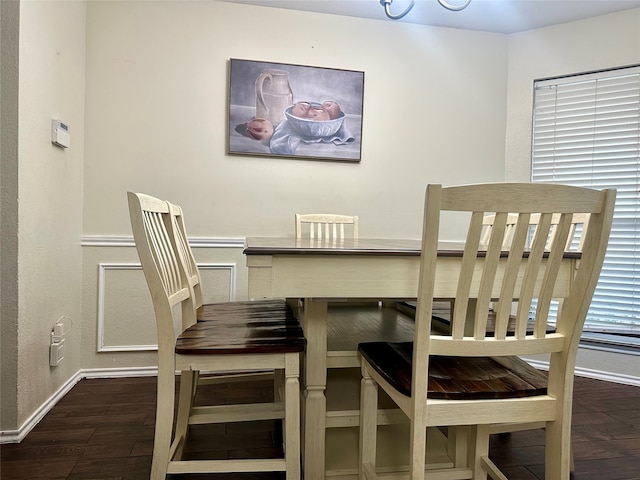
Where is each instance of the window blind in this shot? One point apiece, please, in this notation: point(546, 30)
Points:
point(586, 132)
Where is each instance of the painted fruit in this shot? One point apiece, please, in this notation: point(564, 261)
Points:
point(260, 129)
point(301, 109)
point(318, 114)
point(332, 108)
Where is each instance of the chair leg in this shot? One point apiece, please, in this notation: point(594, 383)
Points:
point(164, 420)
point(417, 450)
point(572, 463)
point(278, 386)
point(478, 450)
point(558, 453)
point(292, 415)
point(368, 425)
point(458, 445)
point(188, 383)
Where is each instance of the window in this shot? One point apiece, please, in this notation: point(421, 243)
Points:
point(586, 132)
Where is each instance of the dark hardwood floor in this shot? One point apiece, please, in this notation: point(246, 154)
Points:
point(103, 429)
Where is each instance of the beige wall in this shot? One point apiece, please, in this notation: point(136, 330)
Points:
point(599, 43)
point(156, 107)
point(49, 198)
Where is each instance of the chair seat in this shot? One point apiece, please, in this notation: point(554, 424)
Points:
point(244, 335)
point(456, 378)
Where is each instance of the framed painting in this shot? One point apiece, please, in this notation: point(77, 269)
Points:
point(295, 111)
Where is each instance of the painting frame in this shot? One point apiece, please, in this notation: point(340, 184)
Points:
point(294, 111)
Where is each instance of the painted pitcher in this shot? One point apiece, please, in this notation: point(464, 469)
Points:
point(273, 95)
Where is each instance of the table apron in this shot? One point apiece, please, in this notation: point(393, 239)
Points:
point(359, 276)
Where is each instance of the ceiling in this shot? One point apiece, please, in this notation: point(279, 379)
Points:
point(499, 16)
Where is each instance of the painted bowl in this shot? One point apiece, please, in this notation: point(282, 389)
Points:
point(311, 129)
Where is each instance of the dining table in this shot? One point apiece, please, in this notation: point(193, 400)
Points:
point(313, 273)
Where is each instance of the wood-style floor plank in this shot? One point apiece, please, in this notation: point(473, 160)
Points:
point(103, 429)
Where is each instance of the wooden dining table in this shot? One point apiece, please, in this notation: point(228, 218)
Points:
point(318, 272)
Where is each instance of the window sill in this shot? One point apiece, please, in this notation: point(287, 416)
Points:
point(627, 344)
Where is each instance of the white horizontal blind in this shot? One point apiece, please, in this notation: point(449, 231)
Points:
point(586, 132)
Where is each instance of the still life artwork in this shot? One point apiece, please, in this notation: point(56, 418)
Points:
point(284, 110)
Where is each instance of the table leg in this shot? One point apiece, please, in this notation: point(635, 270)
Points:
point(315, 331)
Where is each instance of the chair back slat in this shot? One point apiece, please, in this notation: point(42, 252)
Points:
point(503, 308)
point(556, 252)
point(489, 273)
point(179, 233)
point(162, 253)
point(467, 272)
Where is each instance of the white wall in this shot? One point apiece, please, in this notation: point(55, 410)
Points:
point(599, 43)
point(51, 83)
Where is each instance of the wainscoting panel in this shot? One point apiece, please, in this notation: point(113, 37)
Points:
point(125, 317)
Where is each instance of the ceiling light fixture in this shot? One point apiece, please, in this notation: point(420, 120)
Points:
point(455, 8)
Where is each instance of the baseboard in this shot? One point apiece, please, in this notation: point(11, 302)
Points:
point(16, 436)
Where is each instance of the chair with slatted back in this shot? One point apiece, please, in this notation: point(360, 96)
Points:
point(478, 380)
point(245, 342)
point(325, 227)
point(220, 312)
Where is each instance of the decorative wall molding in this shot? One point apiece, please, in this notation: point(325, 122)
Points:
point(127, 241)
point(103, 268)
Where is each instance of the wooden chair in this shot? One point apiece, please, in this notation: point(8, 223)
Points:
point(325, 226)
point(450, 379)
point(221, 312)
point(245, 342)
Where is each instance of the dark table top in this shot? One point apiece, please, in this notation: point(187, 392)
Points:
point(362, 246)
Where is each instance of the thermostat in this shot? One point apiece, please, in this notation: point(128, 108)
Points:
point(60, 134)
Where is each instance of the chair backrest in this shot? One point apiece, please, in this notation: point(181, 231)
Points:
point(162, 266)
point(326, 226)
point(574, 240)
point(179, 233)
point(527, 277)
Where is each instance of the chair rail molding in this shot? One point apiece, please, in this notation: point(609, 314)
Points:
point(127, 241)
